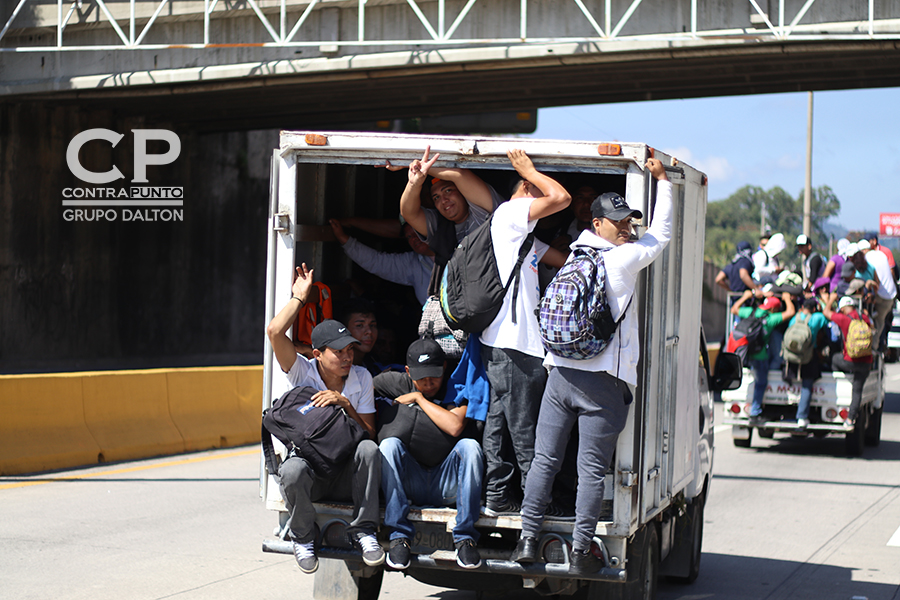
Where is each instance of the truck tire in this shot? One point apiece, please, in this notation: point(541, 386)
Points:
point(742, 443)
point(694, 516)
point(856, 439)
point(643, 570)
point(370, 587)
point(873, 430)
point(334, 581)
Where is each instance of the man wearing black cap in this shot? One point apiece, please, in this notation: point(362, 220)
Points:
point(341, 383)
point(596, 391)
point(452, 469)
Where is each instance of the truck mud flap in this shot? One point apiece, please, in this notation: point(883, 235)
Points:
point(444, 560)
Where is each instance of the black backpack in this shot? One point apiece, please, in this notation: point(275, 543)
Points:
point(471, 292)
point(325, 436)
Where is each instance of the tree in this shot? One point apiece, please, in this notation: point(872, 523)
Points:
point(737, 218)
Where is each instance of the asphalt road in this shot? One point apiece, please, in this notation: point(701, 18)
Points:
point(786, 519)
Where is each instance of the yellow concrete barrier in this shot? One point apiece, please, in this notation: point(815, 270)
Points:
point(42, 424)
point(206, 407)
point(60, 420)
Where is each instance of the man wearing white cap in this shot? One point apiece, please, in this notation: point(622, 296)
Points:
point(813, 263)
point(765, 260)
point(857, 367)
point(887, 288)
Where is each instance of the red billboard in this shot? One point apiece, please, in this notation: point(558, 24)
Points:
point(889, 224)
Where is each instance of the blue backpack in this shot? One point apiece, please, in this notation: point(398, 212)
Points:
point(574, 318)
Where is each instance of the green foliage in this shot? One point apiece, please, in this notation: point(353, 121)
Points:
point(737, 218)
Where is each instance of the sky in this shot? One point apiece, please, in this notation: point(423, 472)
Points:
point(761, 140)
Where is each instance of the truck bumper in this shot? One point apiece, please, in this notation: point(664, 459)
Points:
point(446, 560)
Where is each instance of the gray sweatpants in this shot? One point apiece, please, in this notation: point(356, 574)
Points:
point(358, 482)
point(597, 402)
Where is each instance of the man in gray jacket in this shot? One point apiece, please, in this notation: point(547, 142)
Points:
point(596, 391)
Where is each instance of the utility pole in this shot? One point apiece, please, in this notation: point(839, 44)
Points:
point(762, 220)
point(807, 194)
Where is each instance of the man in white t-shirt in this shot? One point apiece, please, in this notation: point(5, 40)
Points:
point(341, 383)
point(886, 293)
point(511, 347)
point(595, 392)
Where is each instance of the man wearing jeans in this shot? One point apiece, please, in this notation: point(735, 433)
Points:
point(453, 473)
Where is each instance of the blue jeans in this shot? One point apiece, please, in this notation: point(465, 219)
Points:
point(457, 481)
point(760, 382)
point(805, 397)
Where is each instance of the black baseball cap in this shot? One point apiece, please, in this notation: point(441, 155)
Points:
point(613, 206)
point(425, 358)
point(332, 334)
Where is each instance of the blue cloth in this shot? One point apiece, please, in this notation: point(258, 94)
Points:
point(456, 481)
point(469, 381)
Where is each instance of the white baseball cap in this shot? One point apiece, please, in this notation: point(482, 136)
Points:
point(846, 301)
point(802, 240)
point(863, 245)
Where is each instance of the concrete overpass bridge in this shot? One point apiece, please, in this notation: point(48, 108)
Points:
point(210, 63)
point(223, 74)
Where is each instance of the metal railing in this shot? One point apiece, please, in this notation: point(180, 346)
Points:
point(445, 32)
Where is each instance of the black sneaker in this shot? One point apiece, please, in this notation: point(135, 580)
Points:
point(558, 513)
point(495, 509)
point(526, 550)
point(398, 555)
point(583, 562)
point(366, 544)
point(467, 555)
point(305, 553)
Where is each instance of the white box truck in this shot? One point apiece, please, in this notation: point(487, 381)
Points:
point(829, 407)
point(652, 519)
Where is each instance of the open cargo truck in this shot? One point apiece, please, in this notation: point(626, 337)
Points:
point(652, 520)
point(828, 408)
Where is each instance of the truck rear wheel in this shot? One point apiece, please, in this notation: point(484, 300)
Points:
point(643, 570)
point(873, 431)
point(692, 544)
point(335, 581)
point(741, 442)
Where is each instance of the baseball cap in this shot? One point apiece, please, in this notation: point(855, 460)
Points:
point(863, 245)
point(802, 240)
point(850, 250)
point(771, 304)
point(425, 358)
point(331, 334)
point(612, 206)
point(855, 286)
point(846, 301)
point(848, 270)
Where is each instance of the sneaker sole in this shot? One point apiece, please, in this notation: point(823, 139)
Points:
point(374, 563)
point(310, 571)
point(500, 513)
point(464, 566)
point(396, 567)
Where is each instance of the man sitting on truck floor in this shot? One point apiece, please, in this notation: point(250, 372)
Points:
point(812, 370)
point(359, 316)
point(595, 391)
point(770, 311)
point(340, 383)
point(452, 474)
point(859, 367)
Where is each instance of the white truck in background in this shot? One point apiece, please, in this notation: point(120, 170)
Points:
point(828, 413)
point(652, 520)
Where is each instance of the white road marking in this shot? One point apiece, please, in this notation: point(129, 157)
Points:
point(895, 539)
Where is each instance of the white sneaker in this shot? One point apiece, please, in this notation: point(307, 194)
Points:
point(802, 423)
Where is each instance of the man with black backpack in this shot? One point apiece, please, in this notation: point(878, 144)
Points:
point(596, 390)
point(427, 458)
point(771, 314)
point(343, 384)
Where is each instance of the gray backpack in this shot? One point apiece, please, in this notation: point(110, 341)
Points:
point(798, 343)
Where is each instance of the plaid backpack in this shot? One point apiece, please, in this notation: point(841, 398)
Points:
point(574, 317)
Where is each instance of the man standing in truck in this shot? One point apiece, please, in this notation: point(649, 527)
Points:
point(595, 392)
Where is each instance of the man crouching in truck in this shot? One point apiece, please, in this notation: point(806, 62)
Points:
point(433, 464)
point(340, 382)
point(595, 391)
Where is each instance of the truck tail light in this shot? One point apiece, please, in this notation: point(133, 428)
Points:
point(830, 413)
point(844, 414)
point(736, 408)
